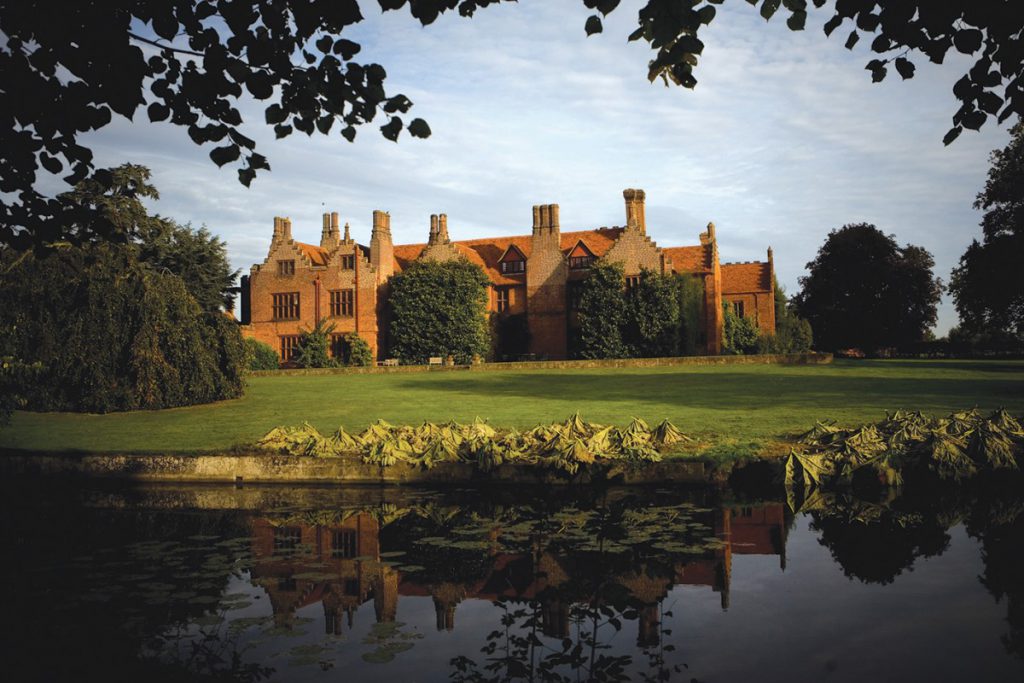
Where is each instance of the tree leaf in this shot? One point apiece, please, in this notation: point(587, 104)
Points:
point(769, 7)
point(392, 128)
point(225, 154)
point(158, 111)
point(593, 25)
point(275, 114)
point(418, 128)
point(852, 40)
point(905, 67)
point(796, 21)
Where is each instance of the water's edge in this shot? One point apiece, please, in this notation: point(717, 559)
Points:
point(298, 469)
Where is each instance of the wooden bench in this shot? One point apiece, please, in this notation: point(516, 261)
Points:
point(434, 360)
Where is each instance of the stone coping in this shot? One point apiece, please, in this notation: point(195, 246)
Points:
point(242, 469)
point(811, 358)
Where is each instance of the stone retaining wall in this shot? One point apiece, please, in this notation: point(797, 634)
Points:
point(308, 470)
point(812, 358)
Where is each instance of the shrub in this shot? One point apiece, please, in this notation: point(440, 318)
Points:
point(690, 296)
point(439, 309)
point(651, 327)
point(739, 335)
point(314, 348)
point(602, 314)
point(259, 356)
point(357, 351)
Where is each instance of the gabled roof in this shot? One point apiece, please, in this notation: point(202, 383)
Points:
point(742, 278)
point(487, 252)
point(315, 254)
point(689, 259)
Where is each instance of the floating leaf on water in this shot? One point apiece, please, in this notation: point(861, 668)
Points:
point(208, 620)
point(393, 553)
point(385, 653)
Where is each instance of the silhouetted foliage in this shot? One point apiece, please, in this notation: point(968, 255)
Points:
point(862, 290)
point(439, 309)
point(74, 65)
point(987, 286)
point(112, 333)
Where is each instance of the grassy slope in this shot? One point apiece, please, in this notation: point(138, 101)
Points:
point(739, 402)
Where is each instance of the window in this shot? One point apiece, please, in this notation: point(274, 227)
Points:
point(580, 262)
point(574, 291)
point(286, 267)
point(348, 262)
point(501, 298)
point(286, 306)
point(343, 544)
point(289, 346)
point(508, 267)
point(342, 302)
point(737, 308)
point(632, 282)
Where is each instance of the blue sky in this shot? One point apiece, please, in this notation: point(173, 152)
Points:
point(784, 139)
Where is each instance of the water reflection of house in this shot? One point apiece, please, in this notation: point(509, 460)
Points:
point(341, 567)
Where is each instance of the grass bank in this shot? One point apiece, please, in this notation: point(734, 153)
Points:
point(732, 406)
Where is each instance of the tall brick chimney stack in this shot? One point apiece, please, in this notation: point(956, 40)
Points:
point(286, 229)
point(382, 250)
point(545, 219)
point(329, 237)
point(635, 217)
point(442, 228)
point(348, 234)
point(432, 240)
point(277, 228)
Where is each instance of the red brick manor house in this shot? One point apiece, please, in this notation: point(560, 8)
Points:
point(535, 274)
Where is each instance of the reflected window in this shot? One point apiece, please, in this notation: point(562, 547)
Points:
point(287, 538)
point(343, 544)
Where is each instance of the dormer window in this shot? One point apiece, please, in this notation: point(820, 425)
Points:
point(513, 267)
point(348, 262)
point(513, 262)
point(580, 262)
point(580, 258)
point(286, 267)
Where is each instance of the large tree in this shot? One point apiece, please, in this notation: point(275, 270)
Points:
point(987, 286)
point(66, 67)
point(863, 290)
point(121, 326)
point(439, 309)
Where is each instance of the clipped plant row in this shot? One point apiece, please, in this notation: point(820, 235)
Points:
point(952, 448)
point(564, 446)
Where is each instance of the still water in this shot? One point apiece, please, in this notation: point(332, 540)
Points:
point(363, 584)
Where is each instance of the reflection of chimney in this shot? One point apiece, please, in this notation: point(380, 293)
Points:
point(649, 626)
point(385, 594)
point(445, 615)
point(555, 619)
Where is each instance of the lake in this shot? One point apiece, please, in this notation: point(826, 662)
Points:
point(321, 584)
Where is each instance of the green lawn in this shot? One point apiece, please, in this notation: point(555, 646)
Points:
point(737, 401)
